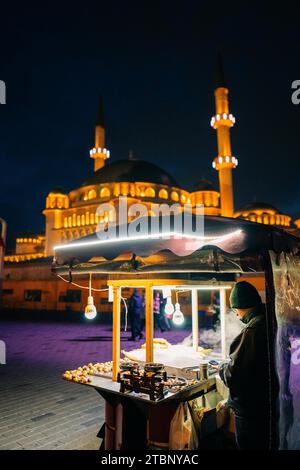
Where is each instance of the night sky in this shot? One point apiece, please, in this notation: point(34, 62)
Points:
point(153, 63)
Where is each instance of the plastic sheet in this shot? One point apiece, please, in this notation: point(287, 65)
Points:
point(286, 272)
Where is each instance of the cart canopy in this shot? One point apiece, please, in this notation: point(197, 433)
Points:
point(224, 245)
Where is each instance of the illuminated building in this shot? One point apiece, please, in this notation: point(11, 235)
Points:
point(72, 215)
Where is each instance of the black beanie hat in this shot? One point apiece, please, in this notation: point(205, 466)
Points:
point(244, 295)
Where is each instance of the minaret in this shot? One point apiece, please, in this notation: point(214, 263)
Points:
point(224, 162)
point(99, 153)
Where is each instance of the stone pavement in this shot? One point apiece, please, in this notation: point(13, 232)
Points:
point(38, 409)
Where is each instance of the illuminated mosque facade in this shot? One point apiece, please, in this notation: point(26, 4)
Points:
point(69, 216)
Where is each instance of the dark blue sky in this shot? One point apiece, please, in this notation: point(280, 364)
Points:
point(153, 62)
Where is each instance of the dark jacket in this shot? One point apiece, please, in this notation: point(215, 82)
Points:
point(247, 375)
point(136, 306)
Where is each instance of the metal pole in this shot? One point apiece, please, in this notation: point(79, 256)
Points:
point(116, 332)
point(195, 330)
point(149, 322)
point(222, 320)
point(2, 251)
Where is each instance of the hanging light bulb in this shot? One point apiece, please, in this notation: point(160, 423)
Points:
point(169, 307)
point(90, 311)
point(178, 317)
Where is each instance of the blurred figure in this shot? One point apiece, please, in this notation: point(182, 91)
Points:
point(158, 309)
point(210, 313)
point(136, 312)
point(166, 318)
point(142, 318)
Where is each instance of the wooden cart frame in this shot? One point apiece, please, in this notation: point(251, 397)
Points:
point(150, 286)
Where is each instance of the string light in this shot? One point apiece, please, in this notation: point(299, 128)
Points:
point(178, 317)
point(169, 307)
point(81, 287)
point(99, 290)
point(90, 311)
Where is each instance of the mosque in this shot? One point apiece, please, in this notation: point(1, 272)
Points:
point(72, 215)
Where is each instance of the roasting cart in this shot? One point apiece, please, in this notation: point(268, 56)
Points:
point(228, 251)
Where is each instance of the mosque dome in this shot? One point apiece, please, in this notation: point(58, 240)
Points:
point(204, 185)
point(258, 206)
point(131, 171)
point(265, 213)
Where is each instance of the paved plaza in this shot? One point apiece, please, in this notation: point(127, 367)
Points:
point(38, 409)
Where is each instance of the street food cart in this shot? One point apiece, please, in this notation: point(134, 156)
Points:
point(138, 400)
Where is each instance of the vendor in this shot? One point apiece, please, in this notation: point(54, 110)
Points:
point(249, 372)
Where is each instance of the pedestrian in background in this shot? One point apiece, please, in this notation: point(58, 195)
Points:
point(136, 311)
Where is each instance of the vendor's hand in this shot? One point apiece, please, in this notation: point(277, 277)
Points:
point(213, 366)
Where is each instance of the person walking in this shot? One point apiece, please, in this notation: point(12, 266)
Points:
point(142, 317)
point(135, 312)
point(165, 317)
point(156, 309)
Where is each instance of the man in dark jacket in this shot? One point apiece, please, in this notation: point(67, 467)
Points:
point(249, 372)
point(136, 311)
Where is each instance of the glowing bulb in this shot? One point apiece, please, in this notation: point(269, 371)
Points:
point(178, 317)
point(169, 307)
point(90, 311)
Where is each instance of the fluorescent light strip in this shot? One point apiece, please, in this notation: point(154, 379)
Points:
point(143, 237)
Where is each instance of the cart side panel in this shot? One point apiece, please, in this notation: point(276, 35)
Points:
point(286, 275)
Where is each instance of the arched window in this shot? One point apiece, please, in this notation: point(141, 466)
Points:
point(70, 221)
point(183, 198)
point(92, 219)
point(174, 196)
point(207, 200)
point(150, 192)
point(60, 203)
point(66, 222)
point(163, 194)
point(82, 220)
point(266, 219)
point(105, 192)
point(78, 221)
point(92, 194)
